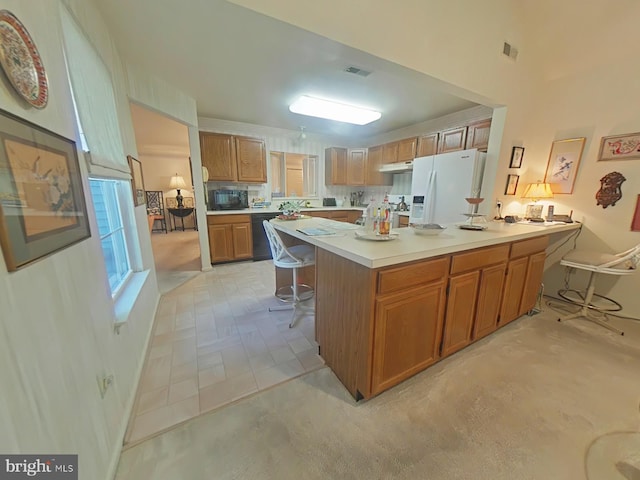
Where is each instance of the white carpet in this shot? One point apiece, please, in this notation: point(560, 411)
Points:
point(533, 401)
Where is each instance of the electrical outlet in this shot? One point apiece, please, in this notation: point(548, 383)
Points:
point(499, 204)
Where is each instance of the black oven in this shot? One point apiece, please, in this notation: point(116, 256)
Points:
point(228, 199)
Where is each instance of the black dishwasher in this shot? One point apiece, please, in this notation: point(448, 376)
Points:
point(261, 249)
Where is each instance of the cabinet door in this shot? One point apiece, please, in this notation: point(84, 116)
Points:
point(407, 334)
point(374, 162)
point(218, 155)
point(513, 288)
point(453, 140)
point(390, 152)
point(427, 145)
point(535, 270)
point(356, 166)
point(220, 246)
point(335, 163)
point(478, 135)
point(461, 309)
point(241, 240)
point(489, 296)
point(353, 215)
point(407, 149)
point(403, 221)
point(251, 160)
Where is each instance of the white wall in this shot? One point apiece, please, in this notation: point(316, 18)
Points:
point(574, 77)
point(57, 316)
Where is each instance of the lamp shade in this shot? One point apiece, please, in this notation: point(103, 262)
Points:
point(177, 182)
point(538, 190)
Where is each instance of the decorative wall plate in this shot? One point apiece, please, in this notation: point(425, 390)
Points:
point(21, 61)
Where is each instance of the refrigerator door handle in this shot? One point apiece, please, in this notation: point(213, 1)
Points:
point(430, 196)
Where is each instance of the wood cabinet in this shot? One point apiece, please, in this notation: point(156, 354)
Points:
point(373, 175)
point(229, 237)
point(408, 329)
point(427, 145)
point(407, 149)
point(349, 216)
point(473, 296)
point(233, 158)
point(478, 135)
point(335, 166)
point(390, 152)
point(523, 278)
point(403, 221)
point(356, 166)
point(345, 166)
point(453, 140)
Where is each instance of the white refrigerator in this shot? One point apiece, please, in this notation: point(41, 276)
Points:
point(440, 183)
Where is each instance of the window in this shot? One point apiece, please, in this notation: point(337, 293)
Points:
point(108, 196)
point(294, 174)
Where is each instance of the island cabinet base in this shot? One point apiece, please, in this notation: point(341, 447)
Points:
point(378, 327)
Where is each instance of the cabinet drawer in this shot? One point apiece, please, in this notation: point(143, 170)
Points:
point(409, 276)
point(478, 259)
point(227, 219)
point(527, 247)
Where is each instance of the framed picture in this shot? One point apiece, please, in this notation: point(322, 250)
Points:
point(516, 157)
point(620, 147)
point(42, 206)
point(137, 182)
point(635, 222)
point(512, 184)
point(564, 160)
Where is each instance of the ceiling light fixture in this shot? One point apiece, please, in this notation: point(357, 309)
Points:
point(317, 107)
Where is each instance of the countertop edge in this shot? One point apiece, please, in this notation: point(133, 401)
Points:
point(249, 211)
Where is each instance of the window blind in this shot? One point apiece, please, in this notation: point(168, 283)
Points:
point(92, 90)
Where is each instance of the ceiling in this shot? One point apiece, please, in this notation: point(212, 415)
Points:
point(243, 66)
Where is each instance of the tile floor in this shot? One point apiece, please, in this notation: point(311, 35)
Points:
point(215, 341)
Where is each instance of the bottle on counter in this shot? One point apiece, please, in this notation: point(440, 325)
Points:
point(384, 221)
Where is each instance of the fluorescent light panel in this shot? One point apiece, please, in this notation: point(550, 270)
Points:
point(317, 107)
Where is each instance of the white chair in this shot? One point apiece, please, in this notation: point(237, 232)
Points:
point(595, 309)
point(294, 257)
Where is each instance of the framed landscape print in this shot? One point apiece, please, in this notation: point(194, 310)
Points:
point(620, 147)
point(137, 182)
point(516, 157)
point(564, 160)
point(42, 206)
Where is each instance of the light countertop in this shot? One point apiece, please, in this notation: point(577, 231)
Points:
point(408, 246)
point(273, 209)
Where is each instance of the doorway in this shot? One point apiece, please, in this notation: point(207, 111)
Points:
point(163, 150)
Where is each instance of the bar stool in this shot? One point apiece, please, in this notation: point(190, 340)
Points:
point(294, 257)
point(594, 307)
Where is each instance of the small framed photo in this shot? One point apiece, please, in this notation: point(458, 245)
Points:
point(516, 157)
point(620, 147)
point(563, 164)
point(512, 184)
point(137, 182)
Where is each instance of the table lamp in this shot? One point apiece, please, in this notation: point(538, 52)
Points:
point(177, 182)
point(536, 191)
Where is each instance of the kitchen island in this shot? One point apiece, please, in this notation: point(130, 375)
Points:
point(386, 310)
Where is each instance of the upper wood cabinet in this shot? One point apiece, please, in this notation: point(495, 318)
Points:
point(427, 145)
point(390, 152)
point(375, 160)
point(407, 149)
point(335, 166)
point(478, 134)
point(453, 140)
point(356, 166)
point(233, 158)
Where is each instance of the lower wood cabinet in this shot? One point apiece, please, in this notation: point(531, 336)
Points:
point(488, 305)
point(408, 330)
point(349, 216)
point(229, 238)
point(461, 308)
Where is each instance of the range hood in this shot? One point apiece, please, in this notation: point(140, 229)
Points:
point(397, 167)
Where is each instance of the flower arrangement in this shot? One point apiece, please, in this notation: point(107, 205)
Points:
point(290, 208)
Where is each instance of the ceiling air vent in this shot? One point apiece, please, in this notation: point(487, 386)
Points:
point(510, 51)
point(357, 71)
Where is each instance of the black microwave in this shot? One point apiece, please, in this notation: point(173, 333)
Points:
point(228, 199)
